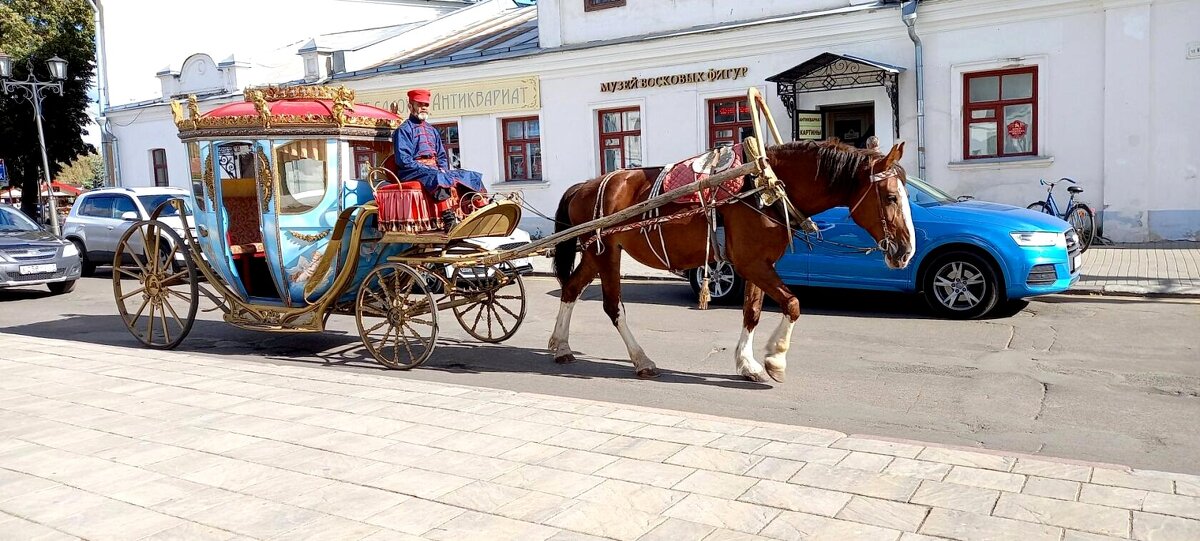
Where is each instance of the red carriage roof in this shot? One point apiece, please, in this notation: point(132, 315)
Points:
point(309, 110)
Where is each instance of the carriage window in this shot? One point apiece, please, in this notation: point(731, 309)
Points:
point(301, 171)
point(1000, 113)
point(235, 160)
point(593, 5)
point(522, 149)
point(158, 157)
point(369, 155)
point(620, 139)
point(197, 175)
point(449, 134)
point(726, 119)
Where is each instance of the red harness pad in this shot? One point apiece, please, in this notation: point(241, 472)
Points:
point(682, 174)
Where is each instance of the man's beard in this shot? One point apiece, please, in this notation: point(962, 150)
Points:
point(422, 116)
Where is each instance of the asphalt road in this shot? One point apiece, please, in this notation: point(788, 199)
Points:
point(1108, 379)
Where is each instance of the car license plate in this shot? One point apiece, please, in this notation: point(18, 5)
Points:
point(1076, 262)
point(38, 269)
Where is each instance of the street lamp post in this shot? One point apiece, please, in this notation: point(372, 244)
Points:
point(33, 89)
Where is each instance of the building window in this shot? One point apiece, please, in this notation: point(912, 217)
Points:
point(450, 141)
point(158, 157)
point(620, 139)
point(522, 149)
point(727, 118)
point(1000, 113)
point(593, 5)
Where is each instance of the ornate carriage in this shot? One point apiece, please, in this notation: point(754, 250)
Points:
point(286, 230)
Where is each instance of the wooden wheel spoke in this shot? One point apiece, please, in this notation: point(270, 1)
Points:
point(505, 308)
point(131, 293)
point(178, 320)
point(181, 274)
point(377, 326)
point(180, 296)
point(421, 321)
point(499, 320)
point(479, 316)
point(372, 311)
point(133, 320)
point(150, 325)
point(128, 273)
point(407, 347)
point(141, 266)
point(380, 300)
point(162, 316)
point(509, 297)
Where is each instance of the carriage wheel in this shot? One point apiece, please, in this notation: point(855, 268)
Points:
point(156, 297)
point(499, 301)
point(396, 316)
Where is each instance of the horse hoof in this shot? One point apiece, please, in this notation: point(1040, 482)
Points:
point(777, 375)
point(756, 377)
point(647, 373)
point(565, 359)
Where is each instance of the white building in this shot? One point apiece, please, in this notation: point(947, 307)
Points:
point(1014, 91)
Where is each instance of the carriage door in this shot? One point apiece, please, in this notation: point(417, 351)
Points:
point(303, 210)
point(211, 216)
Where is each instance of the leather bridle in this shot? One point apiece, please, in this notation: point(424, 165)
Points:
point(885, 243)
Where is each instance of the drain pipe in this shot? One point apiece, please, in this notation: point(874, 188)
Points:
point(908, 14)
point(108, 141)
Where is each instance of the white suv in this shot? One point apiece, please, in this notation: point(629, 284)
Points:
point(100, 217)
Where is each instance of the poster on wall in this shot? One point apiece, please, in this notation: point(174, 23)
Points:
point(810, 126)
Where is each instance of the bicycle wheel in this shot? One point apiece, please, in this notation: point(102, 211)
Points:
point(1041, 207)
point(1083, 220)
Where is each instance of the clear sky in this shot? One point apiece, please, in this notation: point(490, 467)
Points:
point(144, 36)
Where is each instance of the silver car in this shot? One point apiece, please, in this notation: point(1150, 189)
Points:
point(99, 218)
point(30, 255)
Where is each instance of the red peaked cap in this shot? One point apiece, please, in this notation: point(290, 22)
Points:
point(418, 94)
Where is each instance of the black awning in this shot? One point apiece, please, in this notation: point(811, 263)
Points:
point(828, 71)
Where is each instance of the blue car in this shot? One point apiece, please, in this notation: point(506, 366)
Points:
point(972, 256)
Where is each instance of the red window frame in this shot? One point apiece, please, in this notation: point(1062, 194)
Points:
point(619, 135)
point(997, 112)
point(533, 163)
point(596, 5)
point(158, 160)
point(453, 154)
point(736, 124)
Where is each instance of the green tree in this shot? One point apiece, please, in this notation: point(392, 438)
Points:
point(82, 171)
point(32, 31)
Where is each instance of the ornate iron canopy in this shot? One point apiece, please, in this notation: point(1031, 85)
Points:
point(828, 71)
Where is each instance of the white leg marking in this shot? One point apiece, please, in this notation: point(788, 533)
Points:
point(777, 348)
point(906, 208)
point(746, 363)
point(562, 327)
point(636, 354)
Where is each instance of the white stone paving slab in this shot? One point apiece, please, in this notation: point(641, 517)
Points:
point(123, 445)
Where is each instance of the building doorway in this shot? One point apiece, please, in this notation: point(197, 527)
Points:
point(852, 123)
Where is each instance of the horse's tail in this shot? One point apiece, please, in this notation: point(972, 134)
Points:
point(564, 251)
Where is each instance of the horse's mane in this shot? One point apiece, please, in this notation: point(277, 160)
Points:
point(838, 161)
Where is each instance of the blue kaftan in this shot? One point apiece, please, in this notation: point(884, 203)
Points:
point(418, 147)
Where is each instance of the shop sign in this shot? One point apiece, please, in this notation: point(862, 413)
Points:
point(707, 76)
point(1016, 129)
point(811, 126)
point(475, 98)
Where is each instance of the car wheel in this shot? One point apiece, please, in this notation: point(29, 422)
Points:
point(724, 285)
point(58, 288)
point(961, 285)
point(86, 266)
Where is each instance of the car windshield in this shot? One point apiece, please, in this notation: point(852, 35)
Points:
point(151, 202)
point(12, 219)
point(927, 195)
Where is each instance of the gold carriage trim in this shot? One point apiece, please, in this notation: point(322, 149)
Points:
point(310, 238)
point(309, 92)
point(266, 178)
point(341, 114)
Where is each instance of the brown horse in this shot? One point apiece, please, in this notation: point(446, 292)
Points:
point(816, 177)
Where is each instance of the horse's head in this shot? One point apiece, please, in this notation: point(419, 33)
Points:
point(879, 204)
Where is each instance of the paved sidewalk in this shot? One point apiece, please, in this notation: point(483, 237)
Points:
point(101, 442)
point(1169, 268)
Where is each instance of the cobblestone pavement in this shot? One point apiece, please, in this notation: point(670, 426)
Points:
point(102, 442)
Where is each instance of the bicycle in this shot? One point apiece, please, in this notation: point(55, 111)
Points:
point(1078, 214)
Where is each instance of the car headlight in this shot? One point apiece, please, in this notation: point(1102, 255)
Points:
point(70, 250)
point(1039, 238)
